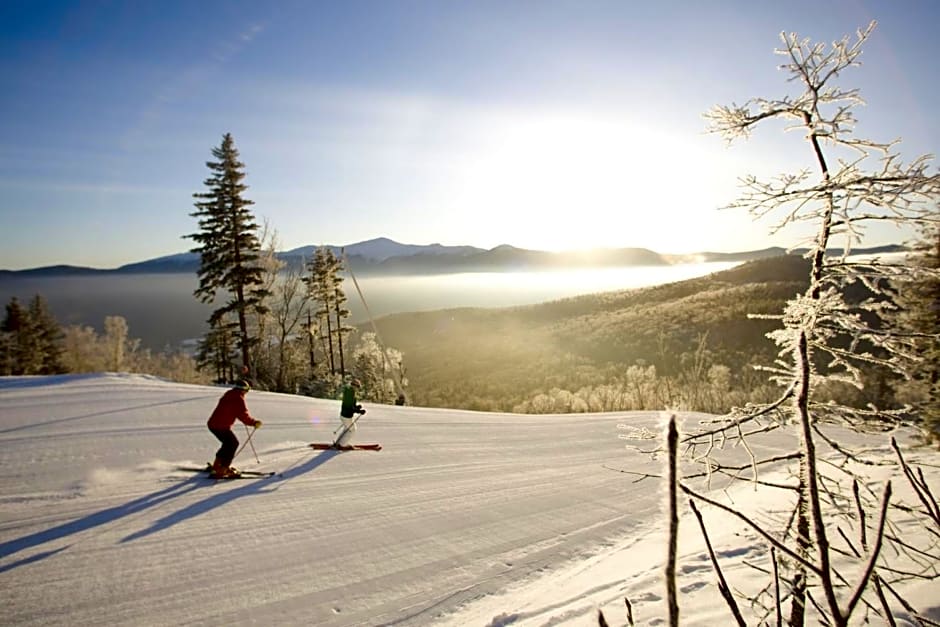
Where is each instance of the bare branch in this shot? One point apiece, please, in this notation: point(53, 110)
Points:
point(779, 545)
point(722, 584)
point(870, 567)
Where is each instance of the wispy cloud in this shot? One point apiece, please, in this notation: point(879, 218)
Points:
point(228, 48)
point(190, 80)
point(47, 186)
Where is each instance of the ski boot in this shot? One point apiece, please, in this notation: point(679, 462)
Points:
point(224, 472)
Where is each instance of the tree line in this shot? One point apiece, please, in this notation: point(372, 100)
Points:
point(32, 342)
point(285, 329)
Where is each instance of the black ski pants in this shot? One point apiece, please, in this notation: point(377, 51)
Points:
point(226, 452)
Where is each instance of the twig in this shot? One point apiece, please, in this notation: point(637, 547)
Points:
point(863, 538)
point(921, 620)
point(782, 547)
point(722, 584)
point(672, 440)
point(629, 612)
point(876, 549)
point(747, 417)
point(777, 612)
point(819, 609)
point(920, 486)
point(879, 591)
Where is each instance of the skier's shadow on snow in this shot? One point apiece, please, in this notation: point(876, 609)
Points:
point(90, 521)
point(262, 485)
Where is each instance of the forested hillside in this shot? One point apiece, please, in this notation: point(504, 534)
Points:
point(641, 345)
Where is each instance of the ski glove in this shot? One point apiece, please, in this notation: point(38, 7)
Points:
point(257, 424)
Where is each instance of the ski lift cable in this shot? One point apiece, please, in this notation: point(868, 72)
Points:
point(395, 379)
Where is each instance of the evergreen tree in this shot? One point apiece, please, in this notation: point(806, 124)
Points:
point(6, 353)
point(229, 245)
point(216, 350)
point(31, 341)
point(13, 329)
point(13, 324)
point(917, 323)
point(325, 289)
point(312, 333)
point(340, 312)
point(48, 336)
point(316, 289)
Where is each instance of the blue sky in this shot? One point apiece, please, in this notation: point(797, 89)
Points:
point(548, 125)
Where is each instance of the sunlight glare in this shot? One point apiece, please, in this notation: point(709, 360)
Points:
point(561, 182)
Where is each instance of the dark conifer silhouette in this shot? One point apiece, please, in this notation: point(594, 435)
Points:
point(229, 245)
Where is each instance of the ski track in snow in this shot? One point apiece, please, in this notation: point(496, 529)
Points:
point(464, 518)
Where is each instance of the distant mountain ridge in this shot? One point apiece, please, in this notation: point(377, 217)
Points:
point(386, 256)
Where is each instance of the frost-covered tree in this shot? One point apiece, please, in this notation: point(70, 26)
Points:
point(281, 351)
point(852, 182)
point(379, 370)
point(229, 245)
point(82, 350)
point(118, 345)
point(325, 288)
point(826, 337)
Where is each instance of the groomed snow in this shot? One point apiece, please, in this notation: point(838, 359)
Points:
point(464, 518)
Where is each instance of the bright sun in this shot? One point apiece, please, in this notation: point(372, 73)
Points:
point(563, 182)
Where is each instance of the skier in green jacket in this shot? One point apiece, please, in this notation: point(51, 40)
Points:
point(350, 407)
point(348, 411)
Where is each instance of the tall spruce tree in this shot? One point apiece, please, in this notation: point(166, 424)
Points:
point(48, 336)
point(229, 246)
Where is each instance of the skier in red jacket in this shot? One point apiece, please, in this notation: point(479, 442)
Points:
point(231, 406)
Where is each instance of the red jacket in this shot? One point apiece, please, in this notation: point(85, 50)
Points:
point(231, 406)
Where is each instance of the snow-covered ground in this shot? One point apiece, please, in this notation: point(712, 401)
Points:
point(464, 518)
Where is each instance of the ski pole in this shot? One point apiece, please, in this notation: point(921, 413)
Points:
point(257, 461)
point(250, 435)
point(248, 441)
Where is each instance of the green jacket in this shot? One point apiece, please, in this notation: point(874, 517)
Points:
point(349, 406)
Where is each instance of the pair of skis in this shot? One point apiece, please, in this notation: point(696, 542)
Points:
point(320, 446)
point(336, 446)
point(327, 446)
point(242, 474)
